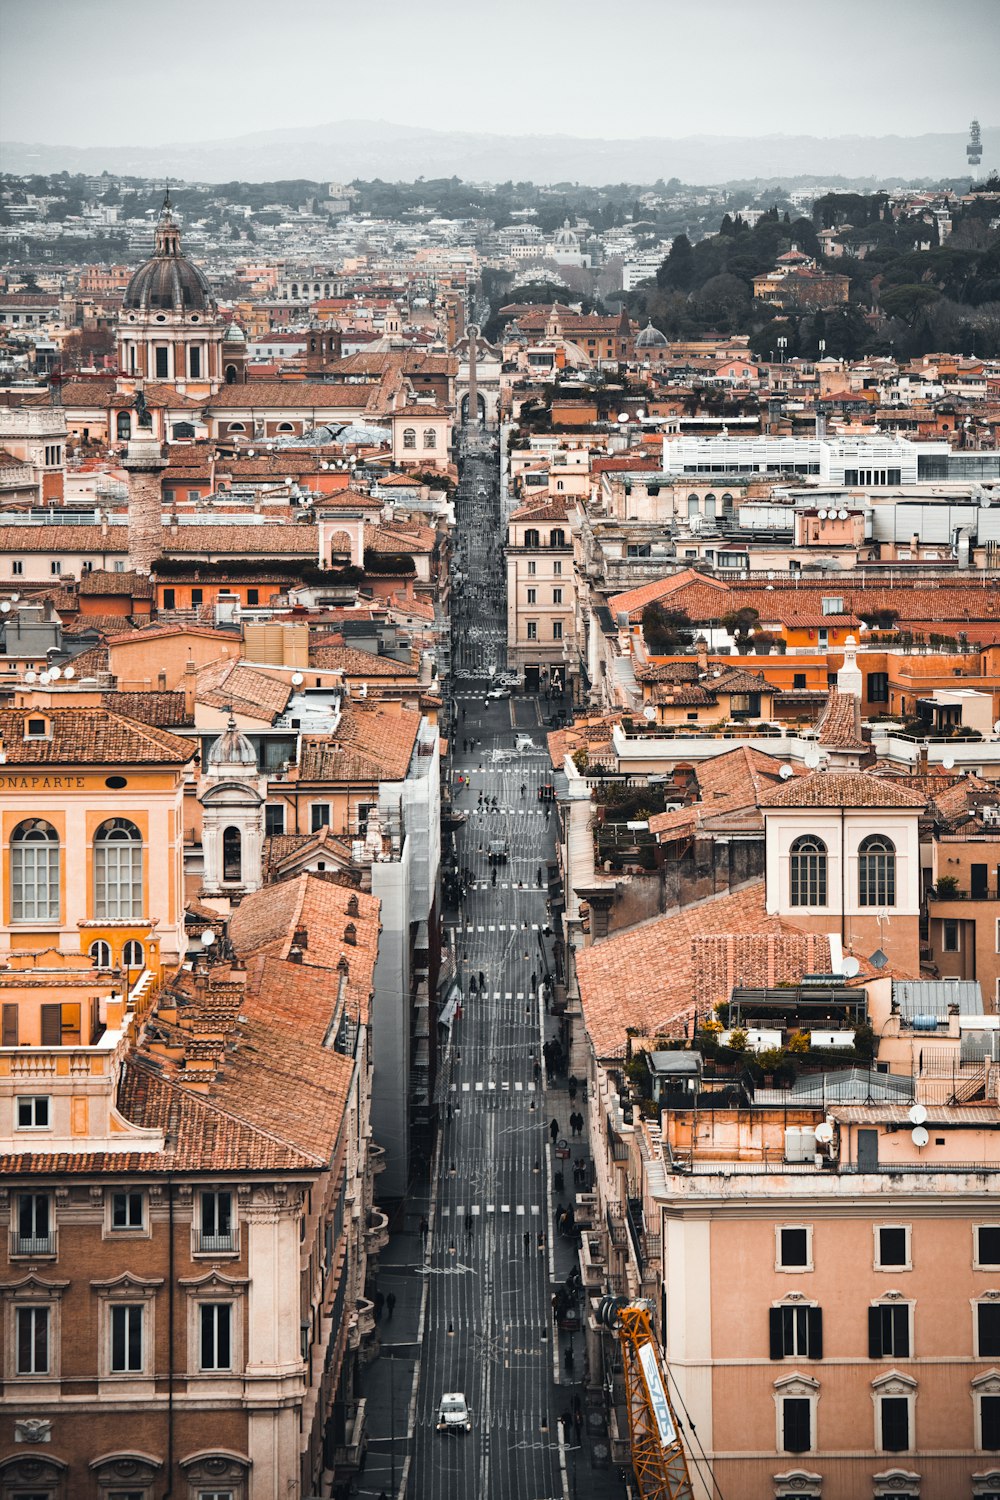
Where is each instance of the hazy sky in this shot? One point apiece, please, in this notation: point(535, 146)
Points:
point(100, 72)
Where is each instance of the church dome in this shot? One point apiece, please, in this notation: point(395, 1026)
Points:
point(232, 749)
point(233, 334)
point(169, 282)
point(651, 338)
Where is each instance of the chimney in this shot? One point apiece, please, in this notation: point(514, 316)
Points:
point(702, 647)
point(190, 686)
point(161, 681)
point(295, 954)
point(300, 938)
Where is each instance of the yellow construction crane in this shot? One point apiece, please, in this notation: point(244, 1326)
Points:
point(658, 1456)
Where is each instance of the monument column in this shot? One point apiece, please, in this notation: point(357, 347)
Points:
point(145, 465)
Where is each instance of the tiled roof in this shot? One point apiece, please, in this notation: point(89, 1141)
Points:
point(372, 743)
point(58, 538)
point(165, 710)
point(840, 726)
point(357, 663)
point(89, 736)
point(649, 980)
point(843, 789)
point(232, 684)
point(552, 510)
point(266, 540)
point(668, 671)
point(730, 783)
point(134, 585)
point(306, 394)
point(348, 500)
point(419, 539)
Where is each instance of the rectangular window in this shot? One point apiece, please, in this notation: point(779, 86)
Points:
point(987, 1245)
point(253, 596)
point(194, 357)
point(532, 630)
point(949, 935)
point(557, 630)
point(794, 1249)
point(796, 1424)
point(989, 1422)
point(988, 1330)
point(557, 596)
point(889, 1331)
point(169, 598)
point(193, 496)
point(33, 1112)
point(162, 362)
point(55, 567)
point(274, 820)
point(34, 1225)
point(17, 567)
point(557, 568)
point(532, 596)
point(197, 597)
point(215, 1321)
point(127, 1209)
point(532, 568)
point(894, 1422)
point(217, 1229)
point(878, 687)
point(126, 1338)
point(796, 1332)
point(892, 1245)
point(32, 1334)
point(319, 816)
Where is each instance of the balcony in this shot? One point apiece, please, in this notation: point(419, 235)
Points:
point(348, 1455)
point(376, 1159)
point(33, 1245)
point(377, 1231)
point(362, 1324)
point(593, 1265)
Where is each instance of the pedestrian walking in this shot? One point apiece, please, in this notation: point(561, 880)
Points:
point(379, 1302)
point(423, 1230)
point(534, 979)
point(390, 1303)
point(537, 1072)
point(538, 877)
point(527, 1241)
point(482, 980)
point(554, 1130)
point(468, 1226)
point(572, 1084)
point(524, 787)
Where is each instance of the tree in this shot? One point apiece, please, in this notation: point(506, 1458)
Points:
point(677, 271)
point(740, 624)
point(667, 632)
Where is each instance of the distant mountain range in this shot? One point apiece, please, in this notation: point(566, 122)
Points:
point(345, 149)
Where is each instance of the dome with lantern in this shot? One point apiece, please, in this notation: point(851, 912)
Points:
point(168, 282)
point(232, 751)
point(651, 338)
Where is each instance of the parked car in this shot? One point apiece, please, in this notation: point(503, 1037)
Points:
point(498, 692)
point(499, 852)
point(453, 1413)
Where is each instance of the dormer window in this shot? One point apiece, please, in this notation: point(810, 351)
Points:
point(37, 729)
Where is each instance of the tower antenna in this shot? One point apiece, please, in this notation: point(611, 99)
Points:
point(974, 150)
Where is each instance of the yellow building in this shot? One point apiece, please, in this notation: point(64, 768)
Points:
point(91, 820)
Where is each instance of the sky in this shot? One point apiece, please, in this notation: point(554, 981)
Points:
point(101, 72)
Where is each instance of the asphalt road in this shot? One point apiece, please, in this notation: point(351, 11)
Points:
point(486, 1330)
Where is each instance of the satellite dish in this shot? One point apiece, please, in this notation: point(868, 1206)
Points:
point(812, 757)
point(639, 414)
point(824, 1133)
point(785, 772)
point(69, 673)
point(207, 938)
point(949, 762)
point(250, 453)
point(842, 514)
point(918, 1114)
point(29, 676)
point(54, 674)
point(5, 607)
point(649, 712)
point(822, 515)
point(623, 416)
point(996, 727)
point(297, 679)
point(919, 1137)
point(850, 968)
point(43, 678)
point(15, 598)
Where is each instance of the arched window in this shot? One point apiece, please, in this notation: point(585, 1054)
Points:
point(232, 854)
point(531, 538)
point(286, 427)
point(727, 504)
point(808, 871)
point(692, 505)
point(236, 427)
point(134, 956)
point(409, 437)
point(100, 955)
point(124, 426)
point(710, 507)
point(557, 538)
point(340, 547)
point(430, 438)
point(117, 870)
point(230, 378)
point(876, 871)
point(34, 872)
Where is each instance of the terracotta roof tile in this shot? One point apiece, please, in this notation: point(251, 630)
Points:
point(165, 710)
point(843, 789)
point(89, 736)
point(233, 684)
point(371, 742)
point(840, 726)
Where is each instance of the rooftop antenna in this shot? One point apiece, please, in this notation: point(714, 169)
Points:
point(974, 150)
